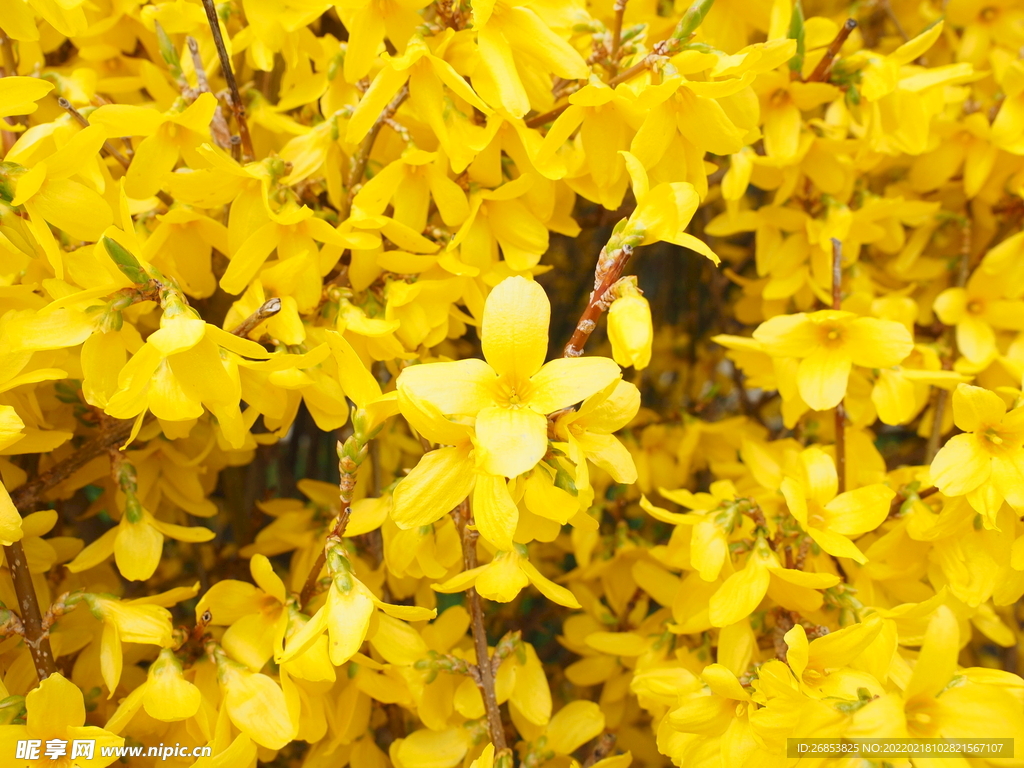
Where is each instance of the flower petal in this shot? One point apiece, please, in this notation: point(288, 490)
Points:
point(514, 330)
point(512, 440)
point(568, 380)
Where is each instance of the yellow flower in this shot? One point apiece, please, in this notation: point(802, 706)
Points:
point(985, 463)
point(126, 621)
point(975, 311)
point(56, 710)
point(503, 578)
point(508, 33)
point(49, 194)
point(510, 394)
point(346, 615)
point(630, 330)
point(830, 519)
point(828, 343)
point(168, 136)
point(662, 213)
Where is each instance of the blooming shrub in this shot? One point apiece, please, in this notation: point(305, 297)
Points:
point(671, 357)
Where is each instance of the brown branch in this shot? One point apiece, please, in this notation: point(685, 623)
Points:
point(485, 677)
point(267, 310)
point(36, 638)
point(351, 454)
point(840, 412)
point(28, 495)
point(362, 155)
point(824, 69)
point(237, 105)
point(606, 274)
point(614, 53)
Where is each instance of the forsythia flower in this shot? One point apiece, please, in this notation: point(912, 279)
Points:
point(984, 463)
point(828, 343)
point(56, 711)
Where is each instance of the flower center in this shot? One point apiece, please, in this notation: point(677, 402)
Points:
point(992, 436)
point(780, 98)
point(988, 13)
point(975, 307)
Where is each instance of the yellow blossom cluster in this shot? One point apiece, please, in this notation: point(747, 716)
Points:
point(509, 383)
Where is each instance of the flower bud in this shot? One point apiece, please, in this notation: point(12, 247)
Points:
point(630, 330)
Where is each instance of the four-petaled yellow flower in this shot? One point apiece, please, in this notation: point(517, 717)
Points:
point(986, 463)
point(513, 392)
point(828, 343)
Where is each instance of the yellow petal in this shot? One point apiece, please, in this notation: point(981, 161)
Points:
point(169, 696)
point(137, 549)
point(437, 484)
point(512, 440)
point(348, 619)
point(822, 377)
point(459, 388)
point(975, 408)
point(960, 466)
point(573, 725)
point(936, 663)
point(568, 380)
point(514, 331)
point(54, 706)
point(739, 595)
point(494, 512)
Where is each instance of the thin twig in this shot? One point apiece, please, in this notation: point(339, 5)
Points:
point(485, 678)
point(613, 54)
point(823, 70)
point(840, 412)
point(268, 309)
point(351, 454)
point(219, 125)
point(26, 496)
point(84, 122)
point(609, 269)
point(36, 638)
point(237, 105)
point(362, 155)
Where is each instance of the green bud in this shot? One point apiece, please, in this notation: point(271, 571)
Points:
point(796, 32)
point(125, 261)
point(692, 19)
point(167, 50)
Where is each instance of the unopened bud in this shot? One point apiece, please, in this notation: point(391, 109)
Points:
point(630, 330)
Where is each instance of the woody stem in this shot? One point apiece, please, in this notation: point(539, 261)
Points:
point(608, 271)
point(351, 454)
point(840, 414)
point(613, 54)
point(362, 155)
point(36, 638)
point(485, 675)
point(237, 106)
point(824, 69)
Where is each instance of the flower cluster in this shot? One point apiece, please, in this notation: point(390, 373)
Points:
point(334, 431)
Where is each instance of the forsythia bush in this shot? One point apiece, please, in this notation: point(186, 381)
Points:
point(768, 486)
